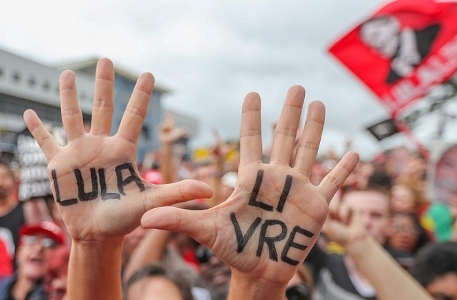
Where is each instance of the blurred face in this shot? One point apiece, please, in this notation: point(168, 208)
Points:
point(403, 233)
point(34, 254)
point(214, 272)
point(446, 176)
point(6, 182)
point(58, 284)
point(444, 287)
point(154, 288)
point(402, 199)
point(383, 35)
point(373, 208)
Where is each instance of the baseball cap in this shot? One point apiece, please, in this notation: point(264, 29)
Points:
point(48, 228)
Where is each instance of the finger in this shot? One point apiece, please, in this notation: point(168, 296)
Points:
point(335, 179)
point(169, 194)
point(189, 222)
point(43, 137)
point(250, 130)
point(72, 117)
point(102, 111)
point(308, 146)
point(286, 128)
point(137, 108)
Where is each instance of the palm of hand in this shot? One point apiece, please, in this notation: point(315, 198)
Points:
point(94, 159)
point(95, 181)
point(274, 215)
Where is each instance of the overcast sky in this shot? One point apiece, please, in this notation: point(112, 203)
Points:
point(211, 54)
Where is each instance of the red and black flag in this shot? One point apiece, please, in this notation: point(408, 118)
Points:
point(402, 50)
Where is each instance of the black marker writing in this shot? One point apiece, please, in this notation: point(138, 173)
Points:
point(104, 194)
point(57, 191)
point(290, 243)
point(241, 239)
point(255, 192)
point(82, 195)
point(270, 241)
point(99, 181)
point(285, 193)
point(132, 178)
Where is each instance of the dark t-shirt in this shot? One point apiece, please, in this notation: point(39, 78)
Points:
point(10, 224)
point(332, 281)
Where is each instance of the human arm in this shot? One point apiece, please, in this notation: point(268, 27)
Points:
point(387, 277)
point(168, 135)
point(265, 229)
point(96, 183)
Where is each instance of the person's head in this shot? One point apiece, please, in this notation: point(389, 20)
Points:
point(435, 268)
point(153, 281)
point(445, 179)
point(7, 183)
point(403, 199)
point(214, 272)
point(403, 232)
point(382, 34)
point(373, 205)
point(37, 243)
point(56, 280)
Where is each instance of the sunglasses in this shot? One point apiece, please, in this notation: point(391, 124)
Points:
point(33, 239)
point(299, 292)
point(442, 296)
point(203, 254)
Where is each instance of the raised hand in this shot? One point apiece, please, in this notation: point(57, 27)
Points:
point(95, 180)
point(268, 225)
point(168, 132)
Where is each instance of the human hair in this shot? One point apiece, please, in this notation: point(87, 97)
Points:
point(413, 185)
point(158, 270)
point(7, 166)
point(371, 188)
point(434, 260)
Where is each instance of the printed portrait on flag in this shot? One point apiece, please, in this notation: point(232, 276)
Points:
point(401, 51)
point(406, 48)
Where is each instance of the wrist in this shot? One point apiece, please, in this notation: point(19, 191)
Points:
point(252, 288)
point(358, 246)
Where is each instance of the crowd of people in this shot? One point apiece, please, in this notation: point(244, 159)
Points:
point(280, 222)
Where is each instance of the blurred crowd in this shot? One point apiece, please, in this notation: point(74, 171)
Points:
point(388, 198)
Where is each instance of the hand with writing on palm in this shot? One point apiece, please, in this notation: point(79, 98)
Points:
point(94, 177)
point(273, 218)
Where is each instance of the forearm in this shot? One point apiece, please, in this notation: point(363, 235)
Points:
point(387, 277)
point(242, 287)
point(151, 249)
point(167, 167)
point(95, 270)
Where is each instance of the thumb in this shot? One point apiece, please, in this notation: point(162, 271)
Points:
point(194, 223)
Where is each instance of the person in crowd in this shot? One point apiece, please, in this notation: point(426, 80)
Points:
point(441, 213)
point(300, 287)
point(14, 214)
point(402, 237)
point(155, 282)
point(263, 231)
point(435, 268)
point(37, 243)
point(214, 272)
point(56, 279)
point(337, 275)
point(366, 271)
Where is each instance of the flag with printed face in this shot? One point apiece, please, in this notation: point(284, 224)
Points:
point(402, 50)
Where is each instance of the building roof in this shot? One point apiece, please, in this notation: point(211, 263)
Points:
point(88, 66)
